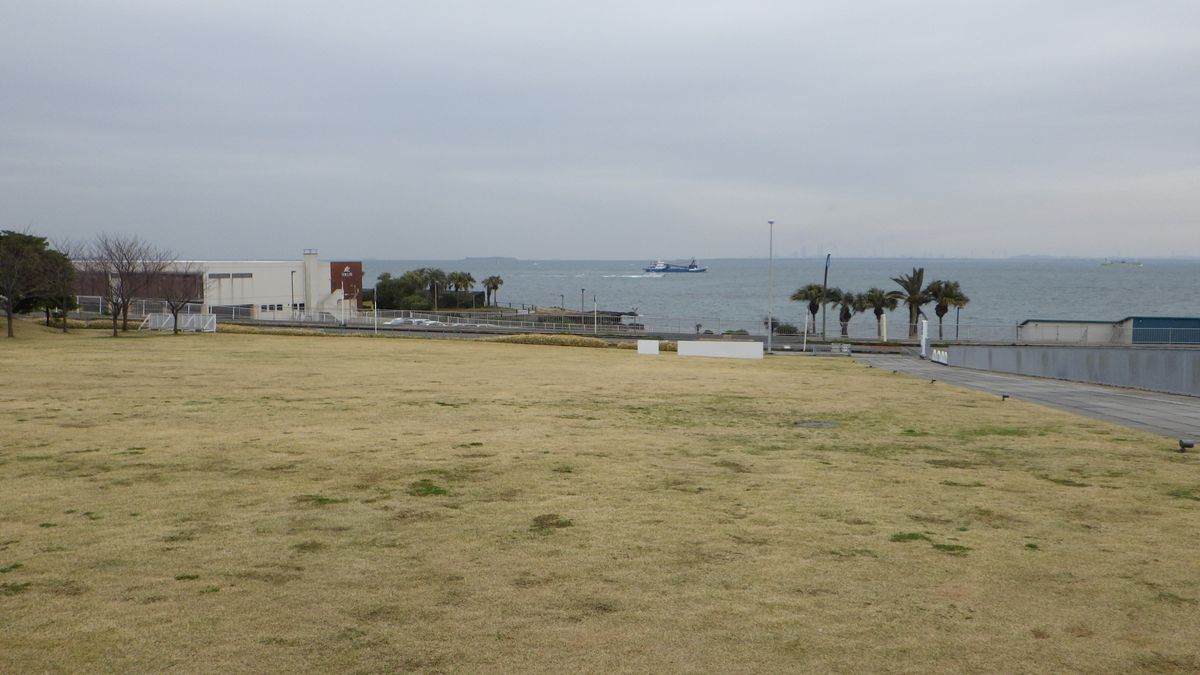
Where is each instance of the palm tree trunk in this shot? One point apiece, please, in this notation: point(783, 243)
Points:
point(878, 324)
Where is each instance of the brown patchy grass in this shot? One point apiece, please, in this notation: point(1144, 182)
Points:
point(263, 503)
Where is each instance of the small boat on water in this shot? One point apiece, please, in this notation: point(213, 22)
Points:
point(660, 267)
point(1109, 262)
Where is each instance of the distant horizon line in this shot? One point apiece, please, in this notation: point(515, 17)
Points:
point(1185, 258)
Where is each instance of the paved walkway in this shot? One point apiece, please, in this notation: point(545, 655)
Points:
point(1167, 414)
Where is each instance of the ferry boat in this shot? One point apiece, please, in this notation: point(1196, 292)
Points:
point(1109, 262)
point(660, 267)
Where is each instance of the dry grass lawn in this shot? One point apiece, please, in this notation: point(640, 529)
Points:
point(279, 503)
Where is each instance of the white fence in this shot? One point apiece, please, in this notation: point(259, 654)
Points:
point(197, 323)
point(862, 328)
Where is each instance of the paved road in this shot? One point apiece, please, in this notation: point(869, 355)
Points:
point(1167, 414)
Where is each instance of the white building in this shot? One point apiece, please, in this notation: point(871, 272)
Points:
point(278, 289)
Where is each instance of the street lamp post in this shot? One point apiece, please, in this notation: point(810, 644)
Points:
point(770, 283)
point(595, 316)
point(345, 314)
point(824, 290)
point(293, 282)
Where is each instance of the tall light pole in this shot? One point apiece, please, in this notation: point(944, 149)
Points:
point(770, 283)
point(581, 307)
point(562, 301)
point(824, 291)
point(293, 280)
point(595, 316)
point(346, 274)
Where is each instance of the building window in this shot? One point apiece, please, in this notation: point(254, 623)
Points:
point(243, 275)
point(262, 308)
point(218, 275)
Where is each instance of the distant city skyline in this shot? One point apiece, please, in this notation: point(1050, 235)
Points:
point(622, 131)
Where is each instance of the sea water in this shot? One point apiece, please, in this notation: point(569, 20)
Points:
point(735, 293)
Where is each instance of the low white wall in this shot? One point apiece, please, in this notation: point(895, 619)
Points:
point(1041, 332)
point(648, 347)
point(729, 350)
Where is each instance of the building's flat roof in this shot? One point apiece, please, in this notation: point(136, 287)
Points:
point(1105, 321)
point(242, 262)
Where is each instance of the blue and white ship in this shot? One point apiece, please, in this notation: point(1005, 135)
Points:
point(660, 267)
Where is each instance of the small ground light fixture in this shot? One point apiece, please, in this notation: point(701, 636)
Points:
point(1003, 397)
point(1185, 444)
point(932, 381)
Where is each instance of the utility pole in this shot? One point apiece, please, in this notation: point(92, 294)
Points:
point(770, 283)
point(824, 291)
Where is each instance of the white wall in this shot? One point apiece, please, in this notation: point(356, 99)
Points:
point(1098, 332)
point(270, 283)
point(729, 350)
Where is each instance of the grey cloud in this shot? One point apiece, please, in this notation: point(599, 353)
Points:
point(550, 129)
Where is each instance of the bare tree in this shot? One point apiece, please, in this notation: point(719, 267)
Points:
point(126, 267)
point(179, 286)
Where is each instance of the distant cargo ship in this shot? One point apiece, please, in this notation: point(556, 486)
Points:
point(662, 267)
point(1109, 262)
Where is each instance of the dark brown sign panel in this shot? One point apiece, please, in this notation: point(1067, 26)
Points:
point(348, 276)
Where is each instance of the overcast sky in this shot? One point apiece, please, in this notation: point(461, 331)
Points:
point(644, 129)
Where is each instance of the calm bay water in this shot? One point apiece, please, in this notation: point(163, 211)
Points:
point(733, 293)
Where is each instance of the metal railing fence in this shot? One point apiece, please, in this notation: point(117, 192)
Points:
point(601, 323)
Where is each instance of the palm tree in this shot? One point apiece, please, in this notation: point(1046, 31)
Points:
point(880, 301)
point(849, 304)
point(460, 281)
point(944, 295)
point(434, 280)
point(815, 295)
point(492, 284)
point(913, 294)
point(467, 282)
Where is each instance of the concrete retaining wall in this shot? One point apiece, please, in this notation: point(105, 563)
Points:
point(1175, 371)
